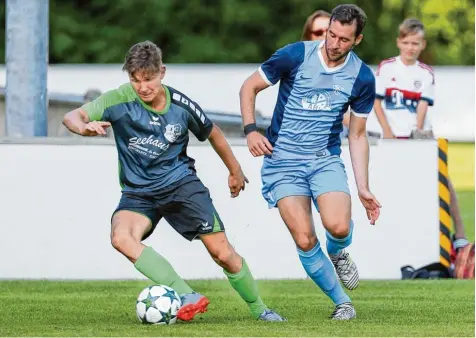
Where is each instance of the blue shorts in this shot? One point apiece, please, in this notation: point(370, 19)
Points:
point(313, 176)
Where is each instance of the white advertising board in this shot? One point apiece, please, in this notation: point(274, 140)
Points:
point(57, 200)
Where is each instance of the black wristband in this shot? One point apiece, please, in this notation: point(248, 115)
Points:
point(250, 128)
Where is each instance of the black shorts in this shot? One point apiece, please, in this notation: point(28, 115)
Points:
point(186, 205)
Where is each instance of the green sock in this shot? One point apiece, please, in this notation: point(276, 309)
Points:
point(244, 283)
point(158, 269)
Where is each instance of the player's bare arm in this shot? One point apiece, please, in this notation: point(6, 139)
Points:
point(346, 120)
point(257, 143)
point(382, 119)
point(359, 154)
point(77, 121)
point(236, 179)
point(422, 109)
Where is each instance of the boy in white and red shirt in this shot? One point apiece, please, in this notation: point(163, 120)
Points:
point(405, 86)
point(404, 91)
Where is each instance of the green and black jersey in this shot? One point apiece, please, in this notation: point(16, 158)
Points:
point(151, 145)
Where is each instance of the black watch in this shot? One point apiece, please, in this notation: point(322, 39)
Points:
point(250, 128)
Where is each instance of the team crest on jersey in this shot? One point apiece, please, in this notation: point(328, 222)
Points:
point(172, 132)
point(317, 100)
point(417, 84)
point(337, 89)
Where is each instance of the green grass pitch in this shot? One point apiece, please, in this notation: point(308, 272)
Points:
point(96, 308)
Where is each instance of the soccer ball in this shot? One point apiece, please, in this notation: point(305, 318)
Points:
point(158, 304)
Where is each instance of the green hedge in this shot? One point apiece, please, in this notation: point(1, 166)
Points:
point(241, 31)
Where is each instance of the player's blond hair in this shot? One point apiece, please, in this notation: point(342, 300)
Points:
point(409, 27)
point(144, 57)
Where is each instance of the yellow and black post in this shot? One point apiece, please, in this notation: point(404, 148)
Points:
point(444, 198)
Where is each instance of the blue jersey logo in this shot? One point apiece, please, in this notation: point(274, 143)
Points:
point(317, 100)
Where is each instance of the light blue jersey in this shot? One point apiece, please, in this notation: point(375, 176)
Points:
point(307, 119)
point(313, 98)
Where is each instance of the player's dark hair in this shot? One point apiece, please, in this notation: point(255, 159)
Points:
point(409, 27)
point(348, 14)
point(143, 57)
point(307, 29)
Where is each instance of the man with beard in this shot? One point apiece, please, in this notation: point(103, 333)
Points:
point(319, 81)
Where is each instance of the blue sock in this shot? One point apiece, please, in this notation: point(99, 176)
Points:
point(335, 245)
point(320, 269)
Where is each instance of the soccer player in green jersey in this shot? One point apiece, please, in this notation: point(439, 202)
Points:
point(151, 122)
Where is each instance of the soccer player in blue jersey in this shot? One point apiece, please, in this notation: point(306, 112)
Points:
point(151, 124)
point(320, 80)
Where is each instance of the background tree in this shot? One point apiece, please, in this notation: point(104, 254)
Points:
point(241, 31)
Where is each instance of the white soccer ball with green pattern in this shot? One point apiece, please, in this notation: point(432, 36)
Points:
point(158, 304)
